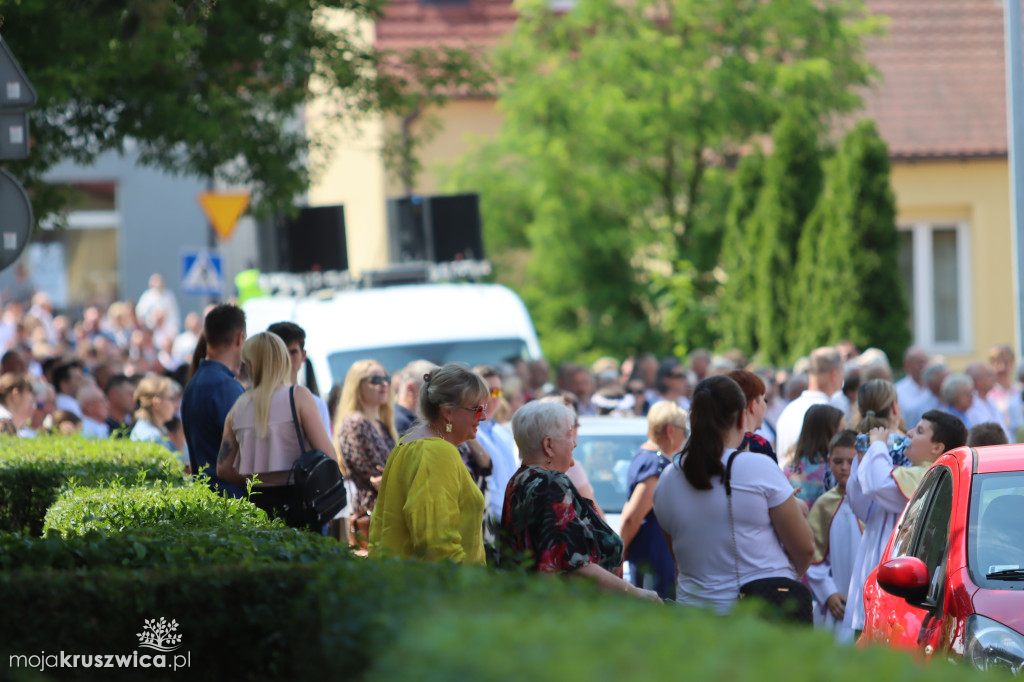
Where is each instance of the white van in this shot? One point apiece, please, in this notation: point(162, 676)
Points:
point(457, 322)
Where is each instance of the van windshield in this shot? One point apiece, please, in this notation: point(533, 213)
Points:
point(394, 358)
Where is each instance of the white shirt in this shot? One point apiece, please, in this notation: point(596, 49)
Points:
point(94, 429)
point(498, 443)
point(985, 410)
point(909, 392)
point(68, 404)
point(702, 537)
point(876, 499)
point(150, 301)
point(791, 422)
point(834, 573)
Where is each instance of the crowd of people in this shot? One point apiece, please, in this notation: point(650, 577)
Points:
point(752, 481)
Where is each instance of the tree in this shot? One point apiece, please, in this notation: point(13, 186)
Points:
point(854, 289)
point(207, 89)
point(792, 182)
point(616, 114)
point(738, 316)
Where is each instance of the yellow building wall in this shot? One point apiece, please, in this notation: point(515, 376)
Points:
point(348, 170)
point(979, 193)
point(460, 121)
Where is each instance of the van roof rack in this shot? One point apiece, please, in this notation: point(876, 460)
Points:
point(325, 283)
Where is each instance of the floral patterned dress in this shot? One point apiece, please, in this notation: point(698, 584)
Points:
point(547, 526)
point(364, 449)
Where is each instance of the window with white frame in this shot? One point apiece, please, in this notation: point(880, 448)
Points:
point(935, 266)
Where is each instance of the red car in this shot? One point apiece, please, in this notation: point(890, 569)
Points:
point(952, 576)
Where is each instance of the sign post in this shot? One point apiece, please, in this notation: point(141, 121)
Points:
point(202, 273)
point(16, 93)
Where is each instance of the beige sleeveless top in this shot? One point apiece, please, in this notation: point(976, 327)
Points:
point(272, 456)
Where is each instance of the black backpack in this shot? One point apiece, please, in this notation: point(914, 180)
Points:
point(319, 485)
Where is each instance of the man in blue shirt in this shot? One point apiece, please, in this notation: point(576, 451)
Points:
point(499, 444)
point(212, 391)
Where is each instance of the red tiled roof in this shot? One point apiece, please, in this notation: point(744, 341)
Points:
point(411, 23)
point(942, 87)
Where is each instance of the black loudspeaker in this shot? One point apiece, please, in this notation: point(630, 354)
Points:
point(406, 237)
point(315, 240)
point(453, 227)
point(435, 228)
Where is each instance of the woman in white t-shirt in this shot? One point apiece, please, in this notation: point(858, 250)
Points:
point(772, 538)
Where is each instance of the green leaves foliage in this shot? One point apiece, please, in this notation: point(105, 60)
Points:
point(848, 278)
point(33, 472)
point(203, 88)
point(792, 182)
point(616, 118)
point(115, 508)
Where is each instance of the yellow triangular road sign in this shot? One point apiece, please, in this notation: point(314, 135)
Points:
point(223, 209)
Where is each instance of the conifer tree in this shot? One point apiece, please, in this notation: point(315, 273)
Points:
point(738, 308)
point(792, 182)
point(858, 293)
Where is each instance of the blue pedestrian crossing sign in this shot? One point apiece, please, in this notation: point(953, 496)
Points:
point(202, 273)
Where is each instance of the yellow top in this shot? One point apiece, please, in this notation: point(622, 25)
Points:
point(428, 506)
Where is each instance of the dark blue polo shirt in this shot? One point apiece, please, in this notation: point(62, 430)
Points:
point(208, 398)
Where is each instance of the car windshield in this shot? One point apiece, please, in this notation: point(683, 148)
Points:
point(394, 358)
point(606, 459)
point(996, 538)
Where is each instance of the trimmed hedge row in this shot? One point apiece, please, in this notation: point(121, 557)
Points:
point(34, 470)
point(555, 635)
point(253, 600)
point(115, 507)
point(353, 619)
point(153, 548)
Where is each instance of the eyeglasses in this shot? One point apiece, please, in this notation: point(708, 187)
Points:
point(497, 393)
point(479, 409)
point(676, 375)
point(377, 380)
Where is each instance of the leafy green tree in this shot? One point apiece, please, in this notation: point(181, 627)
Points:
point(738, 311)
point(608, 168)
point(207, 89)
point(792, 182)
point(854, 289)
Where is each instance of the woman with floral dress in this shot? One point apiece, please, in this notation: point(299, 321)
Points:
point(546, 525)
point(365, 436)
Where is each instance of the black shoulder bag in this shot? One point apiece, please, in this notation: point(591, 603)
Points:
point(319, 485)
point(788, 599)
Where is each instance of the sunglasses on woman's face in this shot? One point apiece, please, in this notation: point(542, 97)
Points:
point(497, 393)
point(479, 409)
point(377, 380)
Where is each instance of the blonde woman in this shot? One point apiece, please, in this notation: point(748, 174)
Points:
point(650, 560)
point(365, 434)
point(157, 400)
point(259, 432)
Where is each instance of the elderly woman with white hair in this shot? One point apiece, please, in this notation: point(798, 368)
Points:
point(546, 525)
point(958, 396)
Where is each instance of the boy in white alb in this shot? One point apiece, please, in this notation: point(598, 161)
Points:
point(878, 491)
point(836, 540)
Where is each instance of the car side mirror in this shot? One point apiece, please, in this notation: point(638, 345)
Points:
point(906, 577)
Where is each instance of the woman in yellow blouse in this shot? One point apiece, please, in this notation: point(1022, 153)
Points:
point(428, 506)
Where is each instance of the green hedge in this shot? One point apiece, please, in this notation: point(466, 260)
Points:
point(163, 547)
point(115, 507)
point(355, 619)
point(549, 634)
point(34, 470)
